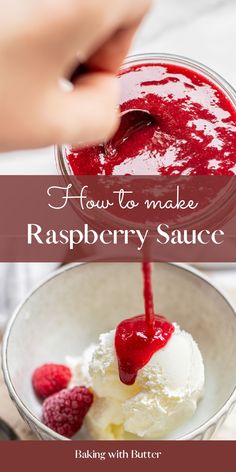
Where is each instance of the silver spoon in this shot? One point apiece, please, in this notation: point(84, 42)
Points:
point(131, 121)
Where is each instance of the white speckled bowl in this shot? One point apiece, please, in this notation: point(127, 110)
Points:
point(71, 308)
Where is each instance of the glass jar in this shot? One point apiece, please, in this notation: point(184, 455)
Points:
point(223, 205)
point(61, 152)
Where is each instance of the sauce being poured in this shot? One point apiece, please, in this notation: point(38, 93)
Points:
point(193, 131)
point(138, 338)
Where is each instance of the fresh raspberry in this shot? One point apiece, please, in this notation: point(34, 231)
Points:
point(50, 378)
point(64, 412)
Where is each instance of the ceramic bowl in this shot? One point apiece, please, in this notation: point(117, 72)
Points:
point(68, 311)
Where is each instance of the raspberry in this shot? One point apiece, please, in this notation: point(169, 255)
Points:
point(50, 378)
point(64, 412)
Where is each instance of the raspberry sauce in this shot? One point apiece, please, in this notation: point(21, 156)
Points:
point(193, 133)
point(138, 338)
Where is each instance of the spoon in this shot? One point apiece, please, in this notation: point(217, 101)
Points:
point(131, 121)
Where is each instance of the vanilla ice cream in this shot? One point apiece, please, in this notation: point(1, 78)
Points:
point(164, 395)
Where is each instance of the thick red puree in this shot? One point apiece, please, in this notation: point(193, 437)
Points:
point(138, 338)
point(194, 130)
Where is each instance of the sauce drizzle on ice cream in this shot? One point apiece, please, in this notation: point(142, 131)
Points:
point(138, 338)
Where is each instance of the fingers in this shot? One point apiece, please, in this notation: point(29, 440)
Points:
point(88, 114)
point(113, 49)
point(99, 34)
point(111, 55)
point(105, 31)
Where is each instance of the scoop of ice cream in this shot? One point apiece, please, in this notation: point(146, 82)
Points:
point(79, 367)
point(164, 395)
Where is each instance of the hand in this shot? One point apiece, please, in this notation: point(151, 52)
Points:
point(42, 42)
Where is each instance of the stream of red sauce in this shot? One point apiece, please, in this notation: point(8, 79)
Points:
point(138, 338)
